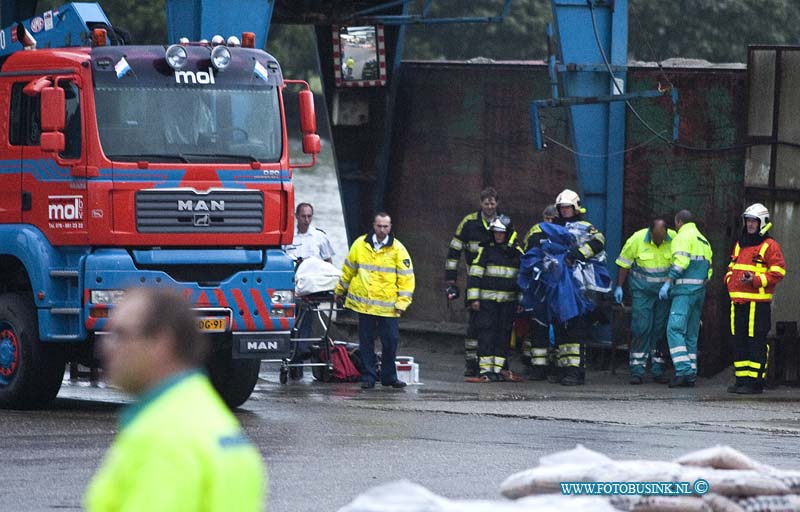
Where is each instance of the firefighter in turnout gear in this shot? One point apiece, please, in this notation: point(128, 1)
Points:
point(493, 298)
point(689, 272)
point(471, 231)
point(536, 346)
point(645, 257)
point(756, 267)
point(571, 336)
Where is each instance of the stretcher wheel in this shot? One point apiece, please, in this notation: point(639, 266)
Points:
point(320, 373)
point(284, 375)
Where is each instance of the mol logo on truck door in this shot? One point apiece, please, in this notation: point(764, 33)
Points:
point(65, 212)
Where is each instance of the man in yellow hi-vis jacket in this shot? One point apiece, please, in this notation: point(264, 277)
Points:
point(179, 447)
point(686, 285)
point(646, 258)
point(378, 281)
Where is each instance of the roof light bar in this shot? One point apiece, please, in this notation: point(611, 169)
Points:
point(176, 56)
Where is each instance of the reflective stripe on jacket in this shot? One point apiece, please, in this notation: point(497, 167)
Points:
point(493, 274)
point(649, 263)
point(691, 260)
point(377, 282)
point(470, 233)
point(590, 241)
point(765, 262)
point(179, 448)
point(526, 241)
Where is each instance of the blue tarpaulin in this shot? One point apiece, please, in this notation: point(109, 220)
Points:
point(550, 290)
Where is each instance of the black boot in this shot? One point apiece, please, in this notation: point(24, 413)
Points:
point(471, 368)
point(537, 372)
point(682, 381)
point(572, 377)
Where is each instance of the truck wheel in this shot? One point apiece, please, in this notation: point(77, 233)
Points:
point(234, 379)
point(30, 371)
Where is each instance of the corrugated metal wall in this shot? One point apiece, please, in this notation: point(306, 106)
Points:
point(467, 126)
point(771, 172)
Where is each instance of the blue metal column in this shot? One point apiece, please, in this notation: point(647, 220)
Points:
point(586, 28)
point(382, 163)
point(202, 19)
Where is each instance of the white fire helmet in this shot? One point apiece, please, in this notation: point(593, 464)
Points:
point(569, 197)
point(760, 212)
point(500, 224)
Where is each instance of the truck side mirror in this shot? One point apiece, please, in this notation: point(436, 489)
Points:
point(311, 144)
point(308, 124)
point(52, 142)
point(53, 106)
point(53, 113)
point(308, 118)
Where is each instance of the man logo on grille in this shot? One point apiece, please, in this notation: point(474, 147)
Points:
point(202, 220)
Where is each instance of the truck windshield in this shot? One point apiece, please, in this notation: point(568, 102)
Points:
point(197, 125)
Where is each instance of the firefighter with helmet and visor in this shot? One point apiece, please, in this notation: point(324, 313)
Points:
point(756, 267)
point(493, 297)
point(571, 336)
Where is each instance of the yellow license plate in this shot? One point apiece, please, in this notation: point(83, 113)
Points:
point(215, 324)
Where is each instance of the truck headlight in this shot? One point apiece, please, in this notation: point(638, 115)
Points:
point(107, 296)
point(282, 297)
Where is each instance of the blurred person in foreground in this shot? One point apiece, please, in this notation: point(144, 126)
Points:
point(178, 446)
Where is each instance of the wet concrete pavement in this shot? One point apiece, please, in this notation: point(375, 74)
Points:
point(326, 443)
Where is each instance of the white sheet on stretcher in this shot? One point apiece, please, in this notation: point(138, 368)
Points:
point(314, 275)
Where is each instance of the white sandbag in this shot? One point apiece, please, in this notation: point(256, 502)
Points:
point(405, 496)
point(790, 478)
point(671, 504)
point(623, 502)
point(559, 503)
point(721, 503)
point(719, 457)
point(636, 471)
point(314, 275)
point(544, 479)
point(544, 503)
point(400, 496)
point(788, 503)
point(735, 482)
point(578, 455)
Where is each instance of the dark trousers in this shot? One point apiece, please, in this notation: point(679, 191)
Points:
point(750, 324)
point(492, 325)
point(571, 338)
point(386, 327)
point(537, 346)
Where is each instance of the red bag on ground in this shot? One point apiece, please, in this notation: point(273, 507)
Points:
point(343, 368)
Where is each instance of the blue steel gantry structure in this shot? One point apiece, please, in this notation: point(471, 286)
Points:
point(588, 64)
